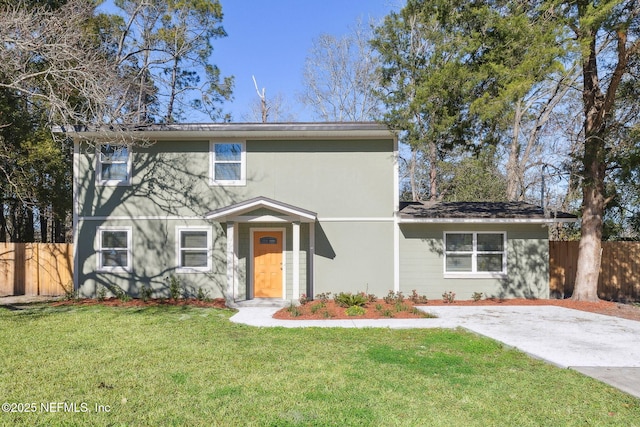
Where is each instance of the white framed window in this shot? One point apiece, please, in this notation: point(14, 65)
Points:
point(113, 166)
point(193, 249)
point(228, 163)
point(475, 254)
point(114, 248)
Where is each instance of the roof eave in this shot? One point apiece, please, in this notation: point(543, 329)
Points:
point(484, 220)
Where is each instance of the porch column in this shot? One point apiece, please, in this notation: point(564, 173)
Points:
point(310, 259)
point(231, 267)
point(296, 259)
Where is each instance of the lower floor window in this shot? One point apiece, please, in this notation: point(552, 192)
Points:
point(475, 253)
point(194, 248)
point(114, 248)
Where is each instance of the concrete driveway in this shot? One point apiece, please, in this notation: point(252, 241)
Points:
point(603, 347)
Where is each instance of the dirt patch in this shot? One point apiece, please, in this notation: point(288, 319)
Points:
point(115, 302)
point(382, 310)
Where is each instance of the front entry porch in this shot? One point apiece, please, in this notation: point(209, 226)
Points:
point(270, 247)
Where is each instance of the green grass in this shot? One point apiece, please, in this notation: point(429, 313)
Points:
point(187, 366)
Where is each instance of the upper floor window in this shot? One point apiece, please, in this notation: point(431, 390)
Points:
point(475, 254)
point(113, 165)
point(228, 163)
point(114, 248)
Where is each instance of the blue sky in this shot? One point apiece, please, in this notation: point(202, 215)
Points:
point(271, 38)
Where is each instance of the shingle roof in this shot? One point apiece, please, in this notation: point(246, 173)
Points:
point(478, 211)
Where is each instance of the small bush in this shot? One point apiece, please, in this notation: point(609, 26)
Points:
point(387, 313)
point(145, 293)
point(317, 307)
point(393, 297)
point(122, 295)
point(102, 293)
point(347, 299)
point(174, 288)
point(400, 306)
point(202, 295)
point(326, 314)
point(355, 310)
point(390, 297)
point(293, 310)
point(304, 299)
point(372, 298)
point(379, 307)
point(449, 297)
point(476, 296)
point(323, 297)
point(417, 298)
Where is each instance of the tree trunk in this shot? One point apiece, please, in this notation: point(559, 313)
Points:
point(593, 203)
point(433, 172)
point(412, 175)
point(3, 225)
point(44, 226)
point(594, 164)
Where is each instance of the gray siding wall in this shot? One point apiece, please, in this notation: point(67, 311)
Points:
point(170, 187)
point(354, 257)
point(347, 178)
point(422, 264)
point(153, 260)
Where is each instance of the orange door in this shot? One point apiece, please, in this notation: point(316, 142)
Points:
point(267, 264)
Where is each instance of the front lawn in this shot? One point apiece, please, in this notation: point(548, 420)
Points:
point(98, 365)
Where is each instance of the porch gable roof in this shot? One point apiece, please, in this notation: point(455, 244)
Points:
point(234, 211)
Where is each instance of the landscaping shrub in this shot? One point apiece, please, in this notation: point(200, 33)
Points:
point(355, 310)
point(347, 299)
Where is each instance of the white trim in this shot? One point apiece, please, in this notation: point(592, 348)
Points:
point(356, 219)
point(396, 208)
point(296, 259)
point(474, 273)
point(396, 255)
point(231, 264)
point(113, 182)
point(75, 214)
point(262, 218)
point(311, 274)
point(141, 218)
point(261, 203)
point(284, 259)
point(484, 220)
point(245, 218)
point(179, 229)
point(98, 249)
point(243, 164)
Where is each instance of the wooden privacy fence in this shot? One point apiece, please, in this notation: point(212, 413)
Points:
point(35, 268)
point(619, 272)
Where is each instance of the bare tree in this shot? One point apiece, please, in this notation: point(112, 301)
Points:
point(530, 116)
point(273, 109)
point(166, 46)
point(340, 77)
point(48, 57)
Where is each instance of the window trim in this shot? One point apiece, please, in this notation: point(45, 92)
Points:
point(474, 273)
point(212, 164)
point(179, 249)
point(99, 249)
point(99, 163)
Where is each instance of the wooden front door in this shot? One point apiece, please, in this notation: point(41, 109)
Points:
point(267, 264)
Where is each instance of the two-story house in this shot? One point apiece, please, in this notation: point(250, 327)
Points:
point(250, 211)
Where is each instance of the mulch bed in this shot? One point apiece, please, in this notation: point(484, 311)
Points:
point(627, 311)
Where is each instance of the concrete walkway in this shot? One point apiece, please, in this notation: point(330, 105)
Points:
point(603, 347)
